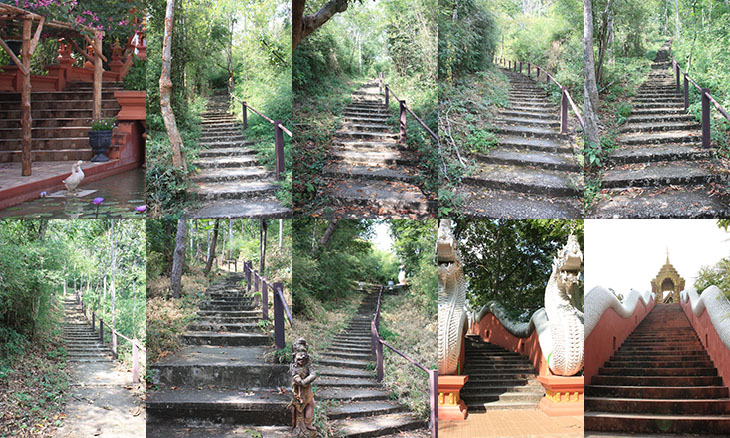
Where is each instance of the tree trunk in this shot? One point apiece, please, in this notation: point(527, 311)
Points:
point(25, 115)
point(114, 275)
point(211, 247)
point(42, 229)
point(168, 116)
point(676, 8)
point(98, 76)
point(327, 234)
point(590, 92)
point(262, 244)
point(178, 257)
point(230, 239)
point(304, 25)
point(281, 231)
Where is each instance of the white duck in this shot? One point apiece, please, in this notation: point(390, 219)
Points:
point(77, 175)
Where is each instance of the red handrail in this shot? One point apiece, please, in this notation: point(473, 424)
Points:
point(705, 99)
point(403, 109)
point(136, 346)
point(279, 129)
point(565, 94)
point(377, 350)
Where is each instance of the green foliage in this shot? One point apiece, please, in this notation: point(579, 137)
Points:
point(717, 275)
point(468, 36)
point(480, 140)
point(103, 124)
point(510, 261)
point(136, 79)
point(622, 112)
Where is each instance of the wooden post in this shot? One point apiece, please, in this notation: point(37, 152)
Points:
point(705, 118)
point(279, 144)
point(403, 121)
point(520, 66)
point(114, 344)
point(98, 75)
point(564, 111)
point(26, 121)
point(279, 317)
point(255, 288)
point(101, 331)
point(686, 92)
point(245, 115)
point(433, 378)
point(387, 96)
point(248, 276)
point(93, 320)
point(529, 69)
point(676, 73)
point(135, 362)
point(265, 299)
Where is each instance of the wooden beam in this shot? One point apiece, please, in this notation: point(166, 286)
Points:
point(26, 122)
point(103, 58)
point(15, 58)
point(37, 36)
point(98, 77)
point(81, 51)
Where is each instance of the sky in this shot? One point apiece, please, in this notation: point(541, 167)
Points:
point(382, 239)
point(627, 254)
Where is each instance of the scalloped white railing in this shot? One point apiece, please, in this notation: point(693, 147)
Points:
point(714, 301)
point(599, 299)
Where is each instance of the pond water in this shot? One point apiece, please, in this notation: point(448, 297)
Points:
point(122, 193)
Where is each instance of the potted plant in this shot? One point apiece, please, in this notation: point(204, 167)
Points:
point(100, 138)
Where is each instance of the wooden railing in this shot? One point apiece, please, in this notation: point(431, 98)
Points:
point(705, 96)
point(377, 350)
point(136, 347)
point(279, 131)
point(565, 98)
point(403, 109)
point(261, 284)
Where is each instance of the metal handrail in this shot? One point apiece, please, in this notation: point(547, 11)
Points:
point(565, 94)
point(705, 99)
point(403, 109)
point(283, 128)
point(281, 308)
point(377, 350)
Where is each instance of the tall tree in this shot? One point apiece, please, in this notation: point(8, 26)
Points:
point(168, 116)
point(590, 91)
point(211, 247)
point(178, 257)
point(303, 25)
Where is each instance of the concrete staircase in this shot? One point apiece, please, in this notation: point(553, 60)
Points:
point(368, 172)
point(661, 380)
point(82, 342)
point(531, 173)
point(661, 168)
point(363, 408)
point(61, 122)
point(498, 379)
point(231, 182)
point(220, 381)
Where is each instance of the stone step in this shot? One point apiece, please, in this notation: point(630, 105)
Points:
point(542, 115)
point(499, 406)
point(659, 364)
point(190, 407)
point(337, 371)
point(345, 170)
point(346, 363)
point(234, 190)
point(376, 136)
point(657, 392)
point(658, 406)
point(534, 143)
point(470, 396)
point(514, 205)
point(526, 180)
point(363, 409)
point(639, 138)
point(655, 423)
point(537, 121)
point(225, 339)
point(220, 162)
point(377, 426)
point(659, 174)
point(660, 126)
point(388, 197)
point(226, 152)
point(698, 371)
point(251, 173)
point(344, 382)
point(538, 159)
point(375, 158)
point(658, 152)
point(352, 394)
point(202, 326)
point(331, 355)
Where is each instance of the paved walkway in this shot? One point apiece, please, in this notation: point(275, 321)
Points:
point(517, 423)
point(101, 400)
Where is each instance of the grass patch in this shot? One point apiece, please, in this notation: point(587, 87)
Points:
point(33, 383)
point(410, 326)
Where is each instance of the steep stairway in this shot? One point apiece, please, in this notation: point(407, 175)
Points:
point(102, 396)
point(61, 122)
point(532, 172)
point(660, 168)
point(369, 173)
point(498, 379)
point(231, 182)
point(661, 380)
point(363, 407)
point(223, 380)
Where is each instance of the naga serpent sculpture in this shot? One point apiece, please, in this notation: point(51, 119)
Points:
point(714, 301)
point(451, 300)
point(559, 325)
point(599, 299)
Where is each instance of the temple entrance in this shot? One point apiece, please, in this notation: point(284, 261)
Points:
point(667, 280)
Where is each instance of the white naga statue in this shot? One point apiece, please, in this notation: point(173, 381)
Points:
point(559, 324)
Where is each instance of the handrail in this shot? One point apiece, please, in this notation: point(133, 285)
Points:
point(565, 94)
point(281, 308)
point(705, 99)
point(136, 346)
point(403, 109)
point(279, 129)
point(377, 350)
